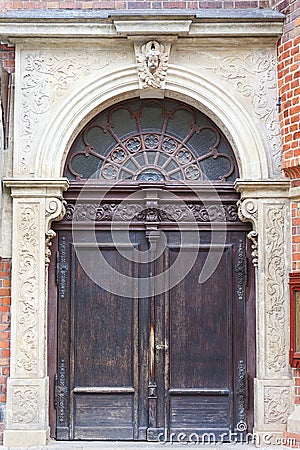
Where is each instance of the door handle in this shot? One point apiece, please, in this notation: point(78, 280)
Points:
point(158, 347)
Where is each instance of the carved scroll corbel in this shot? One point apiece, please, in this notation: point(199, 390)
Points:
point(54, 211)
point(248, 212)
point(152, 59)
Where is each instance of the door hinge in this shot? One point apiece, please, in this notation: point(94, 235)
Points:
point(241, 269)
point(62, 268)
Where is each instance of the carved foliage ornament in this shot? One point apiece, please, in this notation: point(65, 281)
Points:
point(85, 212)
point(25, 404)
point(27, 330)
point(48, 75)
point(152, 63)
point(277, 351)
point(276, 404)
point(253, 74)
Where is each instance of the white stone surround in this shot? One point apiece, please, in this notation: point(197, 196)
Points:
point(62, 80)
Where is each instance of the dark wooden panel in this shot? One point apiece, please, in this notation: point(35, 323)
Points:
point(200, 326)
point(199, 412)
point(103, 326)
point(103, 416)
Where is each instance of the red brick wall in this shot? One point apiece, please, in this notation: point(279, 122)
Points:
point(7, 57)
point(289, 91)
point(5, 271)
point(6, 5)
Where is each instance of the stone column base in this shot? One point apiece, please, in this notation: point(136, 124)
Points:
point(22, 438)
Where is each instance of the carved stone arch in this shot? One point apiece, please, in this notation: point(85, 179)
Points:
point(182, 84)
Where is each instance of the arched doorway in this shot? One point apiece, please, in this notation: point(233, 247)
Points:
point(152, 280)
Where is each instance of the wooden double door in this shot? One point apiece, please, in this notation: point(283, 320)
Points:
point(163, 363)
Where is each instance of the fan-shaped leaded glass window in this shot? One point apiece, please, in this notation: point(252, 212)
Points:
point(151, 140)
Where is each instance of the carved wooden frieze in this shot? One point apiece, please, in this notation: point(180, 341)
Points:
point(84, 212)
point(152, 64)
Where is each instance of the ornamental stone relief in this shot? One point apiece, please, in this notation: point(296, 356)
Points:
point(28, 264)
point(276, 404)
point(47, 76)
point(248, 212)
point(275, 271)
point(253, 76)
point(25, 405)
point(55, 210)
point(152, 63)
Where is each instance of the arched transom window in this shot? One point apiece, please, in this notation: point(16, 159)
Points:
point(151, 140)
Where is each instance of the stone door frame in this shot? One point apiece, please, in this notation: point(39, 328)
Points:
point(68, 103)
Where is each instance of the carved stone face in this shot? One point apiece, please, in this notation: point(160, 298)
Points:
point(152, 61)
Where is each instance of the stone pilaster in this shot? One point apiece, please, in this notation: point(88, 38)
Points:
point(36, 203)
point(266, 205)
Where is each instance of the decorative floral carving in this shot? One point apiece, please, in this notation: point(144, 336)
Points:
point(276, 404)
point(254, 77)
point(214, 213)
point(152, 63)
point(136, 212)
point(25, 404)
point(47, 76)
point(27, 330)
point(55, 210)
point(275, 270)
point(253, 236)
point(248, 212)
